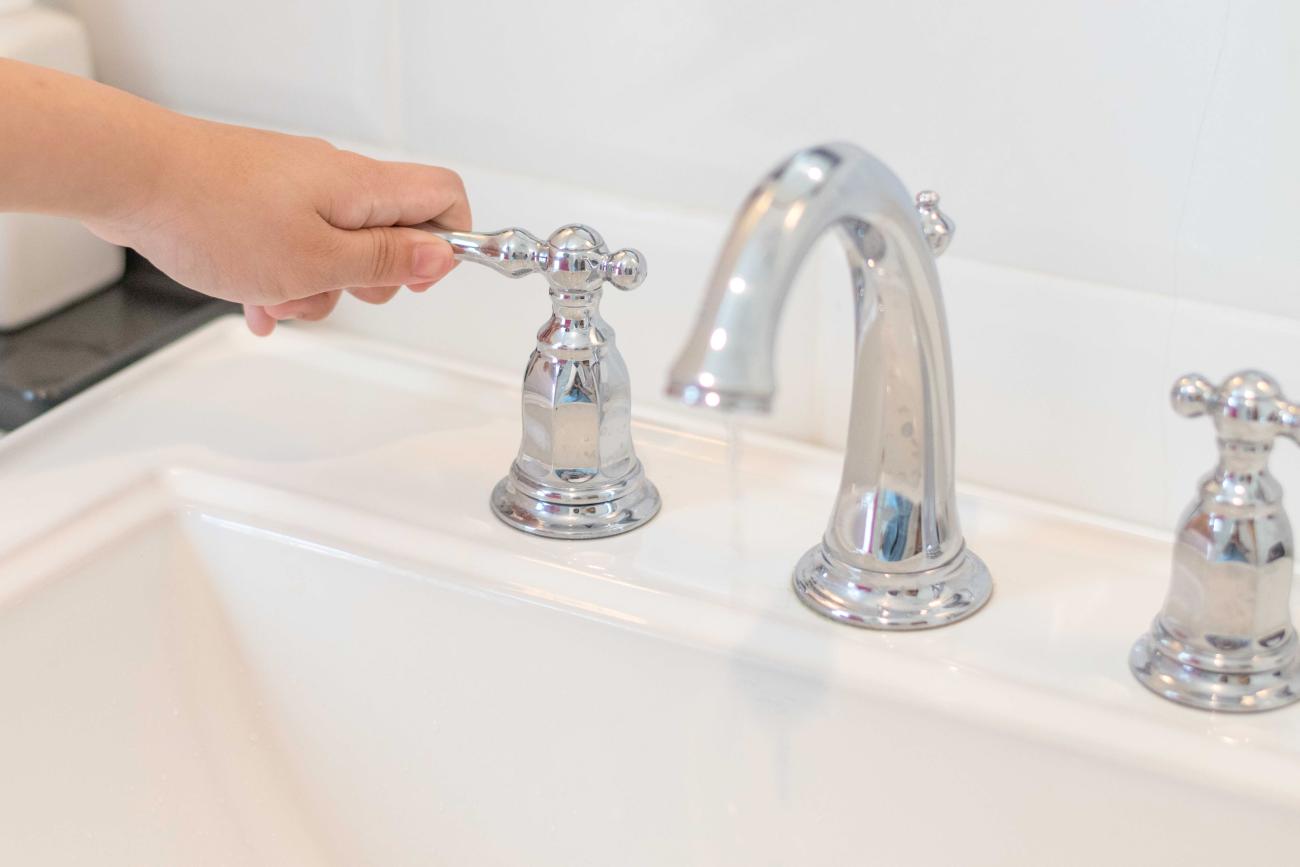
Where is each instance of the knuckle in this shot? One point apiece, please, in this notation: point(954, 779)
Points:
point(274, 289)
point(319, 144)
point(383, 254)
point(280, 310)
point(317, 263)
point(314, 311)
point(356, 166)
point(453, 199)
point(453, 180)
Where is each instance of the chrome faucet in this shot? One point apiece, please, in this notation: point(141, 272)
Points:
point(892, 556)
point(576, 475)
point(1224, 638)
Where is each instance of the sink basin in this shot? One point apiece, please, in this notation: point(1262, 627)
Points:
point(254, 610)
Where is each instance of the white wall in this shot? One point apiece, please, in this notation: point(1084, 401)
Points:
point(1110, 166)
point(1142, 144)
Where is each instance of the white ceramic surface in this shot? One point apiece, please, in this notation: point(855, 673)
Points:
point(254, 610)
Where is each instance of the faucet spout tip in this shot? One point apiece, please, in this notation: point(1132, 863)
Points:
point(694, 393)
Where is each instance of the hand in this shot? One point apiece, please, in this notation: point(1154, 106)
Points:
point(284, 224)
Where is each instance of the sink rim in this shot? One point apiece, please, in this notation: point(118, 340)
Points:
point(1248, 756)
point(799, 643)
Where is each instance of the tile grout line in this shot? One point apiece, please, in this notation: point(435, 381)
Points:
point(1176, 313)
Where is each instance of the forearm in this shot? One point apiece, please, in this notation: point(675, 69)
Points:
point(78, 148)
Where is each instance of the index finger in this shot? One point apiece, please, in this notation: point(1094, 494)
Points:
point(407, 194)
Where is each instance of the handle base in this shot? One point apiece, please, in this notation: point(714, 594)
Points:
point(559, 514)
point(1157, 664)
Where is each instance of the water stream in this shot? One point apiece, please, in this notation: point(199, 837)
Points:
point(735, 486)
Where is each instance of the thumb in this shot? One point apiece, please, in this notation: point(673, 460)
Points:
point(389, 256)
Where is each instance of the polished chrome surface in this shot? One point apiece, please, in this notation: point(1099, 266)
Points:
point(892, 556)
point(1224, 638)
point(937, 226)
point(573, 259)
point(576, 475)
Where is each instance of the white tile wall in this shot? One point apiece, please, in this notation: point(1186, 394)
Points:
point(319, 65)
point(1239, 240)
point(1062, 133)
point(1144, 144)
point(1124, 177)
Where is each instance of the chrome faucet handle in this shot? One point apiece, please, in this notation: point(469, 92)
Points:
point(573, 258)
point(576, 475)
point(1224, 639)
point(1247, 408)
point(937, 226)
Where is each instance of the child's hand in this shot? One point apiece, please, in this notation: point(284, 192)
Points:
point(284, 224)
point(280, 223)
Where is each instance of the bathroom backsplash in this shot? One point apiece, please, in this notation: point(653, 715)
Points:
point(1068, 377)
point(1128, 218)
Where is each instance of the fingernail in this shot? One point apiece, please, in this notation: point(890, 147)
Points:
point(427, 261)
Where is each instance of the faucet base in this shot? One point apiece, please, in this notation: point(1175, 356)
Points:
point(563, 514)
point(885, 600)
point(1266, 684)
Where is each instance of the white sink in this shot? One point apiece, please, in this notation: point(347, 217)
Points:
point(254, 610)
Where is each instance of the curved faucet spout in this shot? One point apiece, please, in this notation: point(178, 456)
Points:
point(895, 521)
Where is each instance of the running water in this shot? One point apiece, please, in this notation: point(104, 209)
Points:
point(735, 430)
point(734, 445)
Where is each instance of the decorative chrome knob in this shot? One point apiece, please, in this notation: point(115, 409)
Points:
point(1247, 408)
point(573, 259)
point(1224, 638)
point(937, 226)
point(576, 475)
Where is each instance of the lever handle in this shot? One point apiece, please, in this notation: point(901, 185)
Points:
point(1247, 407)
point(512, 252)
point(937, 226)
point(573, 259)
